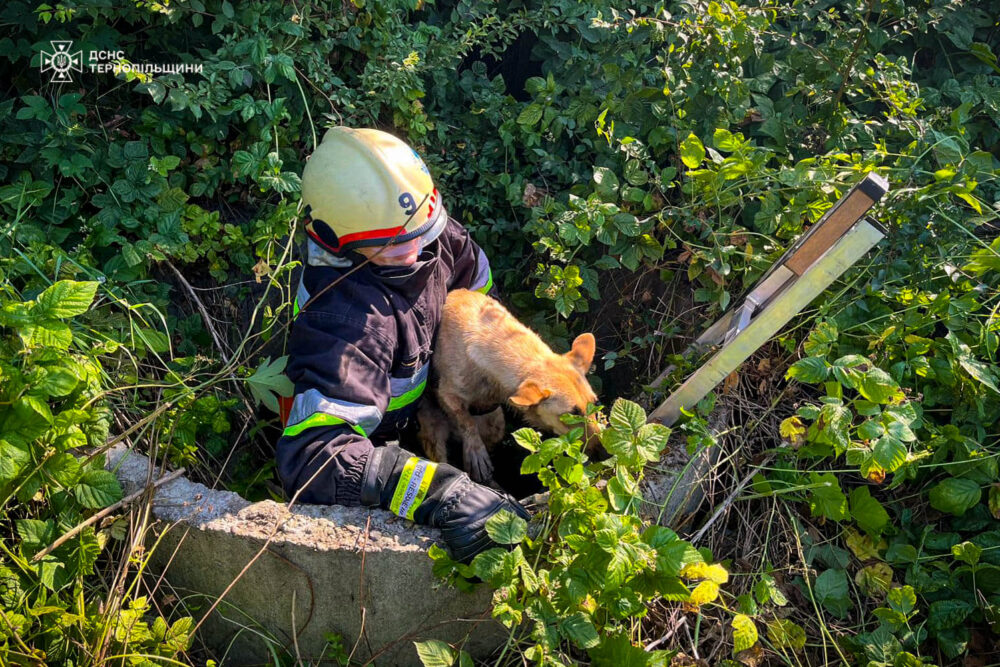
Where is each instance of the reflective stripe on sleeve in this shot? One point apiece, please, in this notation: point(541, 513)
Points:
point(320, 419)
point(312, 408)
point(412, 487)
point(301, 298)
point(406, 390)
point(484, 275)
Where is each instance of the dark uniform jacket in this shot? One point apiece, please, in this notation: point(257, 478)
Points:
point(359, 357)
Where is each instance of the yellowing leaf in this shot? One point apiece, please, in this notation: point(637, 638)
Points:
point(692, 151)
point(875, 579)
point(863, 546)
point(704, 593)
point(744, 633)
point(994, 501)
point(715, 573)
point(793, 430)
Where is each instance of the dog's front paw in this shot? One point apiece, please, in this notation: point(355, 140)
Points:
point(478, 464)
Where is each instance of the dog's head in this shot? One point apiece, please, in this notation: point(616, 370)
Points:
point(561, 388)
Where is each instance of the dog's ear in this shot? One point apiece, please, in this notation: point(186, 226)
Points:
point(582, 353)
point(528, 394)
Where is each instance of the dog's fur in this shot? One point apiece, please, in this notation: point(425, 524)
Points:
point(483, 357)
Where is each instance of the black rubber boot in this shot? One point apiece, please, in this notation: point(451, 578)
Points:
point(435, 494)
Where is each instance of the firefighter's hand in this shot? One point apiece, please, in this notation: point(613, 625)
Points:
point(463, 513)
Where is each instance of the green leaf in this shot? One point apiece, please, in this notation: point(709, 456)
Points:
point(627, 416)
point(35, 534)
point(244, 163)
point(955, 495)
point(967, 552)
point(528, 438)
point(767, 590)
point(579, 630)
point(811, 370)
point(821, 340)
point(635, 174)
point(869, 514)
point(269, 380)
point(900, 431)
point(47, 333)
point(832, 591)
point(530, 115)
point(993, 501)
point(64, 469)
point(66, 298)
point(877, 386)
point(976, 369)
point(945, 614)
point(435, 653)
point(606, 181)
point(724, 140)
point(889, 453)
point(907, 659)
point(827, 500)
point(178, 637)
point(744, 633)
point(97, 489)
point(651, 440)
point(135, 151)
point(870, 430)
point(492, 567)
point(836, 425)
point(623, 490)
point(984, 373)
point(505, 527)
point(902, 599)
point(845, 369)
point(692, 151)
point(784, 633)
point(58, 381)
point(36, 405)
point(12, 461)
point(618, 650)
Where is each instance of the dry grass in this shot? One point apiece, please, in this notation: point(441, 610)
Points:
point(750, 533)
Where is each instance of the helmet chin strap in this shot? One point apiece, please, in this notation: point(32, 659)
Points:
point(396, 251)
point(355, 267)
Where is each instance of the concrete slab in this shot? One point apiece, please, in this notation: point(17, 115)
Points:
point(362, 573)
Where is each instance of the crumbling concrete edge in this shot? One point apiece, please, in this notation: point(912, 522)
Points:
point(361, 573)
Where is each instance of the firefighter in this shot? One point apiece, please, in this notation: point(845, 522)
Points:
point(359, 352)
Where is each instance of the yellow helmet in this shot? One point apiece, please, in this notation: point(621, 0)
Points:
point(365, 187)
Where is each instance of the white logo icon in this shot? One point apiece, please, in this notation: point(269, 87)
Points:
point(62, 62)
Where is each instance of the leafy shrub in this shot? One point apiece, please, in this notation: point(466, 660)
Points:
point(598, 151)
point(580, 580)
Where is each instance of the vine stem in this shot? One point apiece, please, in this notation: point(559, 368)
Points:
point(849, 65)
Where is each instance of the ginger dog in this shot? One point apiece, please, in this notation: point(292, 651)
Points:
point(483, 357)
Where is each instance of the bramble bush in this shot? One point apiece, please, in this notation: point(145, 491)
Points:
point(587, 573)
point(605, 155)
